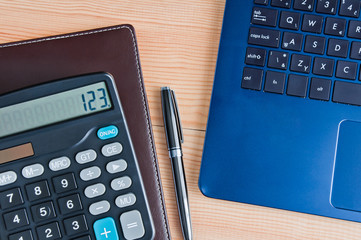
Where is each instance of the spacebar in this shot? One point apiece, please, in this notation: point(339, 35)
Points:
point(345, 92)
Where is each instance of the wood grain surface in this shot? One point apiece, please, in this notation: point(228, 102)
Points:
point(178, 42)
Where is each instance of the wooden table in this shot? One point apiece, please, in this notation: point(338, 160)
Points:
point(178, 43)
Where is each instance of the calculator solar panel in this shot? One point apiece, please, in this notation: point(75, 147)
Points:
point(67, 164)
point(287, 90)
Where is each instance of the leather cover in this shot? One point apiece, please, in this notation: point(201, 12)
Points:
point(113, 50)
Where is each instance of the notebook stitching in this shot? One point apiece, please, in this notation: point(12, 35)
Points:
point(140, 85)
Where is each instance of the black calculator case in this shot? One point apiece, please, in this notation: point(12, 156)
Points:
point(112, 50)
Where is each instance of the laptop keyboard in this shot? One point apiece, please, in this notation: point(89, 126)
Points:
point(305, 48)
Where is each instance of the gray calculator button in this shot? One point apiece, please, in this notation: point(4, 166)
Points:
point(95, 190)
point(32, 171)
point(7, 178)
point(112, 149)
point(58, 164)
point(121, 183)
point(99, 207)
point(132, 225)
point(91, 173)
point(116, 166)
point(86, 156)
point(125, 200)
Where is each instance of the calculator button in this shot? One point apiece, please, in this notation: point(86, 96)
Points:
point(121, 183)
point(43, 211)
point(132, 225)
point(16, 219)
point(7, 178)
point(125, 200)
point(37, 190)
point(26, 235)
point(95, 190)
point(99, 208)
point(107, 132)
point(116, 166)
point(49, 232)
point(11, 198)
point(112, 149)
point(64, 183)
point(90, 173)
point(32, 171)
point(86, 156)
point(70, 204)
point(105, 229)
point(58, 164)
point(75, 225)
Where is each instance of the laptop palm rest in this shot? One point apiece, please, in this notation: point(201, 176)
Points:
point(346, 185)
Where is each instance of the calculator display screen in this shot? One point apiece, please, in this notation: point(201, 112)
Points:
point(54, 108)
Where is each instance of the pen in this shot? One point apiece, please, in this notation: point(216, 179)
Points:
point(174, 137)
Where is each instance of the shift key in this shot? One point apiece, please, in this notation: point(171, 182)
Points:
point(264, 37)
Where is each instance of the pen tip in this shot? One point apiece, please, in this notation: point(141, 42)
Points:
point(165, 88)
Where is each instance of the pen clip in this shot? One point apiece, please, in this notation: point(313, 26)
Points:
point(179, 124)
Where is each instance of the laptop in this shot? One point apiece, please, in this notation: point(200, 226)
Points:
point(284, 127)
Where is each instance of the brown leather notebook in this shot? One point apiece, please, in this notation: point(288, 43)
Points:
point(113, 50)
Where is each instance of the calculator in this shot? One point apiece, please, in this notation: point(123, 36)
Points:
point(67, 164)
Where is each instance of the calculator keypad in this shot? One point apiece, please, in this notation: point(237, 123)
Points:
point(59, 204)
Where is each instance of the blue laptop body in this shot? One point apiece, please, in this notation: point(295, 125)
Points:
point(281, 133)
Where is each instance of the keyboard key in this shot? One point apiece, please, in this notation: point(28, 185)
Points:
point(354, 29)
point(320, 89)
point(346, 70)
point(116, 166)
point(43, 211)
point(264, 37)
point(256, 56)
point(323, 66)
point(112, 149)
point(132, 225)
point(315, 44)
point(281, 3)
point(86, 156)
point(261, 2)
point(252, 78)
point(25, 235)
point(125, 200)
point(292, 41)
point(49, 232)
point(350, 8)
point(11, 198)
point(94, 190)
point(304, 5)
point(75, 225)
point(121, 183)
point(312, 23)
point(70, 204)
point(91, 173)
point(16, 219)
point(33, 171)
point(355, 50)
point(37, 190)
point(300, 63)
point(335, 26)
point(297, 85)
point(346, 92)
point(64, 183)
point(326, 6)
point(264, 16)
point(290, 20)
point(337, 47)
point(278, 60)
point(275, 82)
point(7, 178)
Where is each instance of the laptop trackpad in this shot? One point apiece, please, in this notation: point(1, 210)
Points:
point(346, 187)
